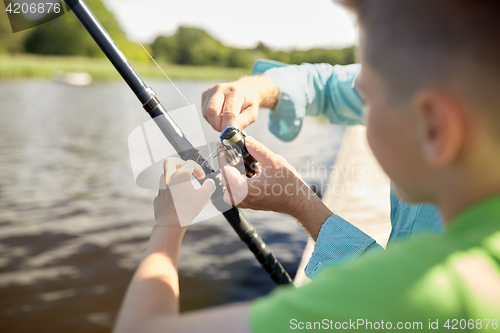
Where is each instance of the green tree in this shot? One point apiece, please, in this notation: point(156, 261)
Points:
point(166, 49)
point(263, 48)
point(240, 58)
point(66, 36)
point(191, 46)
point(197, 47)
point(314, 56)
point(10, 42)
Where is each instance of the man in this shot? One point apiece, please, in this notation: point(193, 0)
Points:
point(292, 92)
point(429, 80)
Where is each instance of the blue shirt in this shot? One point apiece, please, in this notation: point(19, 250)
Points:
point(323, 89)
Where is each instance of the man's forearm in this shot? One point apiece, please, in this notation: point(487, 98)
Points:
point(311, 213)
point(268, 92)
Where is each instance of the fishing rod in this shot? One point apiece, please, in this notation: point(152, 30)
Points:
point(150, 102)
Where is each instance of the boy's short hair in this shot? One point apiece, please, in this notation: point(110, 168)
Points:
point(416, 43)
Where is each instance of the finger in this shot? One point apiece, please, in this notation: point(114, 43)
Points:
point(228, 198)
point(207, 189)
point(194, 168)
point(155, 202)
point(233, 105)
point(261, 153)
point(189, 167)
point(170, 167)
point(236, 185)
point(246, 117)
point(235, 197)
point(213, 109)
point(205, 96)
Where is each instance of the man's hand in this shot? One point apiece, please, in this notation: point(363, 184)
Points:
point(278, 187)
point(178, 202)
point(237, 103)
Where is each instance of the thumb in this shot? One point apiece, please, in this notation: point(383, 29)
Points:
point(261, 153)
point(236, 185)
point(206, 190)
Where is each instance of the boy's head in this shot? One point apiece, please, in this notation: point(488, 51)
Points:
point(431, 81)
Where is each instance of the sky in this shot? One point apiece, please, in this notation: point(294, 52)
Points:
point(280, 24)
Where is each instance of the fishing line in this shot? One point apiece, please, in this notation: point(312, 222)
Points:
point(120, 21)
point(213, 152)
point(162, 70)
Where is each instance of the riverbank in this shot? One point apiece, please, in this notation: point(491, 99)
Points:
point(34, 66)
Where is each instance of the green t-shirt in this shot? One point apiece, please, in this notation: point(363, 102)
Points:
point(453, 278)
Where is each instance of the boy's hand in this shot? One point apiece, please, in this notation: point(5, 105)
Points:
point(178, 202)
point(237, 103)
point(278, 187)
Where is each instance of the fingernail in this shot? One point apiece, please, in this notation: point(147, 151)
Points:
point(212, 182)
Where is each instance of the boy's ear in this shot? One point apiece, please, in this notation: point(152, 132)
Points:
point(442, 127)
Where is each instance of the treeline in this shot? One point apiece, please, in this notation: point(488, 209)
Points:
point(66, 36)
point(192, 46)
point(188, 46)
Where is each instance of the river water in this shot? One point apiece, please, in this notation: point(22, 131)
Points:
point(73, 224)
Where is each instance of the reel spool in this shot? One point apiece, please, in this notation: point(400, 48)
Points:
point(233, 143)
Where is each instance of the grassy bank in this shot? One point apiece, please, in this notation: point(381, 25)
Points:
point(25, 66)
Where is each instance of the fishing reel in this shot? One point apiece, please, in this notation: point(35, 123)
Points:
point(233, 145)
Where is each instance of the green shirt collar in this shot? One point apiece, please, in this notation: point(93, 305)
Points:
point(484, 215)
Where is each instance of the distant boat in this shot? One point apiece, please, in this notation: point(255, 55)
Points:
point(72, 78)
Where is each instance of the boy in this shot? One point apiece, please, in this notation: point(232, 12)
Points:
point(429, 79)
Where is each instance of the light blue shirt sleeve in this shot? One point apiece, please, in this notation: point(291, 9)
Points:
point(338, 242)
point(311, 89)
